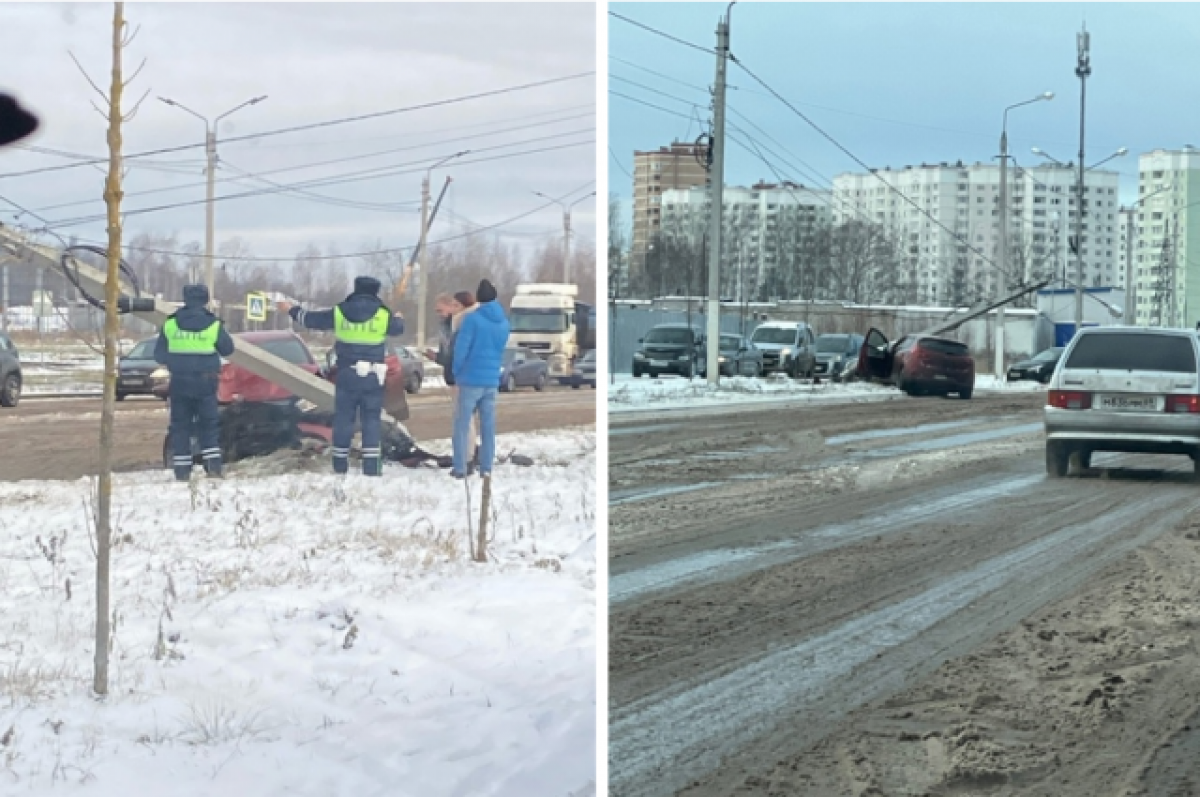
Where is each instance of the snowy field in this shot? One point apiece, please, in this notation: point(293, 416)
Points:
point(285, 633)
point(671, 392)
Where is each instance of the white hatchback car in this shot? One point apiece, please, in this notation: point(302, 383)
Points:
point(1127, 389)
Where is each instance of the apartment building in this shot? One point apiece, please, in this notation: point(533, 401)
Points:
point(759, 220)
point(1167, 249)
point(945, 217)
point(668, 168)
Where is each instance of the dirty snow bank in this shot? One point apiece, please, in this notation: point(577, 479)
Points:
point(265, 645)
point(671, 392)
point(633, 394)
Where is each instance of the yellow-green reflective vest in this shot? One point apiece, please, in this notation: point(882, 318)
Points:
point(185, 341)
point(371, 332)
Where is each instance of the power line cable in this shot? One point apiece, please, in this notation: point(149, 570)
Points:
point(369, 174)
point(327, 123)
point(316, 164)
point(665, 35)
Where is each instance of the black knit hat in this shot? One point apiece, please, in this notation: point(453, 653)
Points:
point(15, 121)
point(486, 292)
point(368, 285)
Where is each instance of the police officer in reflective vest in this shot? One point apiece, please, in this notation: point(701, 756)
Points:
point(361, 326)
point(191, 345)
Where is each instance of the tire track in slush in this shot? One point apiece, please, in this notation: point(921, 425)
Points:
point(660, 743)
point(727, 564)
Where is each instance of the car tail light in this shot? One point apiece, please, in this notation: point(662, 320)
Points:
point(1183, 404)
point(1070, 399)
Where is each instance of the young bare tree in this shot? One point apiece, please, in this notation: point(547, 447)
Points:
point(113, 194)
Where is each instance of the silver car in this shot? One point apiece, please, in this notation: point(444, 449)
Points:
point(1125, 389)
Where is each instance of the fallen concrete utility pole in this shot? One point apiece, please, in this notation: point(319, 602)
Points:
point(984, 309)
point(253, 358)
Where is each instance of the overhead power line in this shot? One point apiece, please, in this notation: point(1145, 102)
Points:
point(327, 123)
point(394, 250)
point(368, 174)
point(657, 32)
point(331, 162)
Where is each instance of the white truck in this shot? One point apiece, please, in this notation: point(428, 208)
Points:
point(546, 319)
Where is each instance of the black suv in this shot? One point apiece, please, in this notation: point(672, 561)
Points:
point(10, 373)
point(671, 349)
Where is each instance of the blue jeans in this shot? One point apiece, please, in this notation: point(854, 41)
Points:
point(470, 400)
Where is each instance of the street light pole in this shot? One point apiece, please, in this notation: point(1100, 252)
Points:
point(1082, 70)
point(1004, 231)
point(423, 285)
point(210, 151)
point(566, 247)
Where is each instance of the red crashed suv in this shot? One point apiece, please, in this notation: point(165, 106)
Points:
point(919, 364)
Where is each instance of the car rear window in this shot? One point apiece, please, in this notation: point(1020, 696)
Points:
point(951, 347)
point(1116, 352)
point(288, 349)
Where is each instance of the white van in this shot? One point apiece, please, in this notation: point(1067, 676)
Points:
point(787, 346)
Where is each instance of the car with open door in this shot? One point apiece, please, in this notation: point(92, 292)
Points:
point(1126, 390)
point(918, 364)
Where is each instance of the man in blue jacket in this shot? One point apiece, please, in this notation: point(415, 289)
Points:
point(361, 326)
point(191, 345)
point(478, 354)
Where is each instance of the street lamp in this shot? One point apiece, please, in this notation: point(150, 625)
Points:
point(1004, 231)
point(1041, 153)
point(566, 229)
point(423, 287)
point(210, 147)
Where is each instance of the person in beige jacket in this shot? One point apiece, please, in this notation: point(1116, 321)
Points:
point(466, 301)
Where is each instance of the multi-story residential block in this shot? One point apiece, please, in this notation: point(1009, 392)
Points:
point(667, 168)
point(759, 221)
point(1167, 248)
point(945, 218)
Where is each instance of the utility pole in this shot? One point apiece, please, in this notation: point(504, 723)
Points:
point(423, 286)
point(716, 177)
point(422, 289)
point(1082, 70)
point(566, 247)
point(210, 151)
point(4, 301)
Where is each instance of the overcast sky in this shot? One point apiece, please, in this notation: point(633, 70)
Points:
point(316, 62)
point(904, 83)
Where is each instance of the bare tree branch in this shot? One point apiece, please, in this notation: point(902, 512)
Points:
point(91, 83)
point(136, 106)
point(135, 74)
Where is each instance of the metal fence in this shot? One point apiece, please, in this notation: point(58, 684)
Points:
point(627, 325)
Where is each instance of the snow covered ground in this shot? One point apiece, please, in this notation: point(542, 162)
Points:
point(279, 634)
point(675, 392)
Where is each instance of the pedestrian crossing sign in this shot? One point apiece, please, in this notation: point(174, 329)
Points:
point(256, 307)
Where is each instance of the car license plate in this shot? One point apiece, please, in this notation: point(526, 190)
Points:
point(135, 381)
point(659, 363)
point(1129, 403)
point(940, 376)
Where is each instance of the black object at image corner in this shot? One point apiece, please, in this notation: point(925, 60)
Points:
point(15, 122)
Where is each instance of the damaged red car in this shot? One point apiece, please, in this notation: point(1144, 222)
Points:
point(259, 416)
point(920, 365)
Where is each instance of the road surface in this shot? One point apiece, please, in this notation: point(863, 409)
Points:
point(772, 630)
point(59, 439)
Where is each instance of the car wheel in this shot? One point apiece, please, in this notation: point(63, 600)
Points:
point(576, 385)
point(965, 395)
point(414, 385)
point(1085, 460)
point(637, 372)
point(540, 384)
point(121, 396)
point(653, 374)
point(1058, 459)
point(690, 371)
point(510, 384)
point(10, 393)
